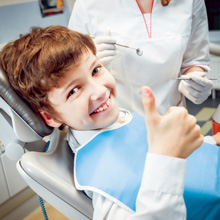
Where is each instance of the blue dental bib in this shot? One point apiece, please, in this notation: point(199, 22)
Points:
point(112, 165)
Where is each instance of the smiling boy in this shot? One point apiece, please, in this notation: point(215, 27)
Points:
point(90, 91)
point(56, 71)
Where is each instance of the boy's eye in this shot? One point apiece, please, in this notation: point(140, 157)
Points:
point(96, 70)
point(73, 91)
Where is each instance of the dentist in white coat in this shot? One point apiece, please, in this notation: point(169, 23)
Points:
point(173, 36)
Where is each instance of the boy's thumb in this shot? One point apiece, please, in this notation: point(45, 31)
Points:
point(150, 109)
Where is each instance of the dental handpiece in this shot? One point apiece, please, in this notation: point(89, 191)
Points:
point(138, 50)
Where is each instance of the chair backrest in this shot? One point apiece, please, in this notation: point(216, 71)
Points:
point(28, 124)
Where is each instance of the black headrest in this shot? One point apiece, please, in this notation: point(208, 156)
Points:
point(32, 118)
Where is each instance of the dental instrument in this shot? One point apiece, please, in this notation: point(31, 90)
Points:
point(183, 78)
point(138, 50)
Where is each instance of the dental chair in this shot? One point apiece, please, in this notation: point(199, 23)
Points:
point(49, 174)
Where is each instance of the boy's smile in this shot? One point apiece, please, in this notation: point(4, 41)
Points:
point(103, 107)
point(86, 96)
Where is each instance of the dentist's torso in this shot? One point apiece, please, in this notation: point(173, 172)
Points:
point(163, 39)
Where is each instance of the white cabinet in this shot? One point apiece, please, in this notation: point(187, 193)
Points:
point(4, 193)
point(13, 179)
point(10, 180)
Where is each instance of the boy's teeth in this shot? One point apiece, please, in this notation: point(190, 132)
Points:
point(105, 106)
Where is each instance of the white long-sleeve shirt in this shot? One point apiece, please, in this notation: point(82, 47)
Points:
point(161, 192)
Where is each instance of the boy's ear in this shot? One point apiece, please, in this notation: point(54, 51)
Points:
point(50, 121)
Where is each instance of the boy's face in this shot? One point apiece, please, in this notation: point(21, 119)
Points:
point(86, 97)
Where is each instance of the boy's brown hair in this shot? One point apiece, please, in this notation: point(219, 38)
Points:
point(36, 61)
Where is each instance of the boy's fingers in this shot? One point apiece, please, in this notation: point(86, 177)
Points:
point(151, 113)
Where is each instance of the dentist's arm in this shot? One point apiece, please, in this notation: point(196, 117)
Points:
point(196, 58)
point(105, 43)
point(106, 49)
point(198, 88)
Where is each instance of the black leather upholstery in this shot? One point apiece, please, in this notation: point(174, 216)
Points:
point(32, 118)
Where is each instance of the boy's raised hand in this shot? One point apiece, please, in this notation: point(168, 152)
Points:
point(174, 134)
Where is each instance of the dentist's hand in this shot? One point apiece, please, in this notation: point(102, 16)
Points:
point(197, 89)
point(106, 49)
point(174, 134)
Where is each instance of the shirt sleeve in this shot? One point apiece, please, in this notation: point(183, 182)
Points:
point(197, 51)
point(79, 20)
point(210, 140)
point(160, 194)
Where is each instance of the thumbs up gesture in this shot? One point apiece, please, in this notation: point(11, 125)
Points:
point(174, 134)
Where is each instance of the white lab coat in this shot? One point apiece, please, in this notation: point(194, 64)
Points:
point(161, 192)
point(179, 40)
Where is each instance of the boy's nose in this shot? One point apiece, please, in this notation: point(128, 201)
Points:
point(98, 93)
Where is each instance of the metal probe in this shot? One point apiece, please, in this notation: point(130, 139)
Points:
point(189, 78)
point(138, 50)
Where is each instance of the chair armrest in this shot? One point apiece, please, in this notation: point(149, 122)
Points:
point(54, 171)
